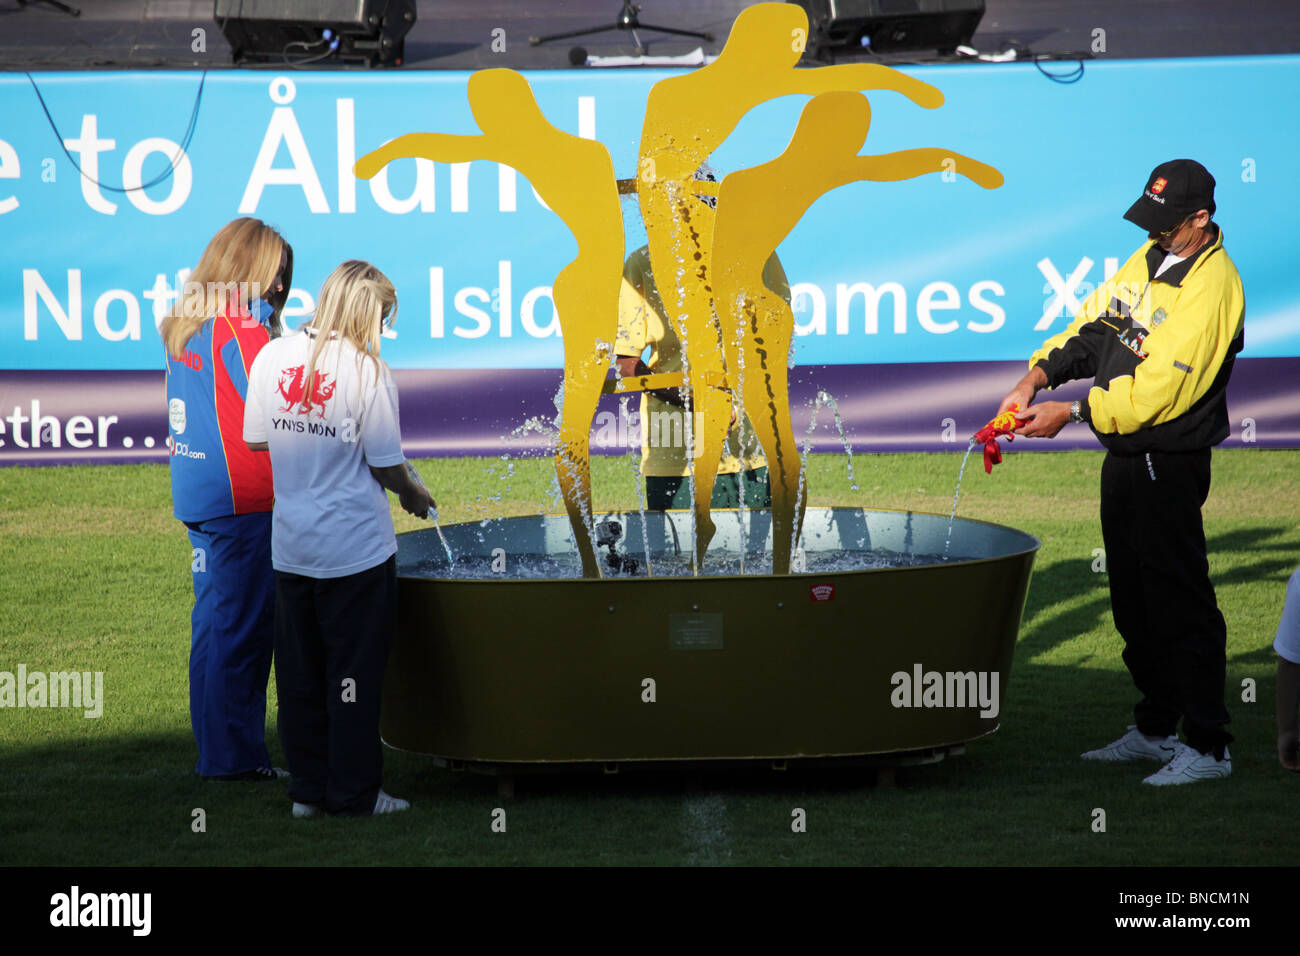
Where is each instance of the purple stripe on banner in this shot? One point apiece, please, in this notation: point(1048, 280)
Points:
point(117, 417)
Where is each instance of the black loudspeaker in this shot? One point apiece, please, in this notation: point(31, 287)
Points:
point(884, 25)
point(307, 31)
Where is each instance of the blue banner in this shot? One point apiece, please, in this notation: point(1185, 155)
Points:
point(944, 287)
point(934, 269)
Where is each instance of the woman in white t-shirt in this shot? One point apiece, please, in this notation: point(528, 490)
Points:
point(325, 406)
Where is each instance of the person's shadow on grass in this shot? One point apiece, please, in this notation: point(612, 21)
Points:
point(1072, 597)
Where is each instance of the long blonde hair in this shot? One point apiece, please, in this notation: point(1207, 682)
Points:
point(355, 302)
point(240, 263)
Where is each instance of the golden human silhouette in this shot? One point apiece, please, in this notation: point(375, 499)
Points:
point(757, 208)
point(575, 178)
point(687, 117)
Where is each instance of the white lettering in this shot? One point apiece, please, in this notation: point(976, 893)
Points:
point(997, 315)
point(528, 308)
point(811, 292)
point(501, 302)
point(422, 194)
point(9, 169)
point(182, 176)
point(871, 298)
point(88, 147)
point(130, 328)
point(473, 312)
point(460, 187)
point(926, 304)
point(79, 426)
point(436, 305)
point(347, 154)
point(68, 321)
point(283, 128)
point(1062, 290)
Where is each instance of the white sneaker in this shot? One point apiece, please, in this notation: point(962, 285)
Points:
point(305, 810)
point(1136, 745)
point(1189, 766)
point(384, 803)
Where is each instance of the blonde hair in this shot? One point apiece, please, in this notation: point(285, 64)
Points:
point(354, 303)
point(239, 265)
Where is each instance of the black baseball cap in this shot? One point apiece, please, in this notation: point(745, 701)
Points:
point(1174, 191)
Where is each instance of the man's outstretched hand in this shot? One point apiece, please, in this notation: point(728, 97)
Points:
point(1044, 420)
point(1025, 390)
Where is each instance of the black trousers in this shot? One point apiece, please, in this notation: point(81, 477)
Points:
point(332, 637)
point(1175, 640)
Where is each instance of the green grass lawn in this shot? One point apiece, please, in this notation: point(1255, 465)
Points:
point(96, 577)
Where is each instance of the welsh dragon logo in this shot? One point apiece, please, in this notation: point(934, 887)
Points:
point(297, 400)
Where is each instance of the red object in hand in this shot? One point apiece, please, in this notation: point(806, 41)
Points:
point(1003, 424)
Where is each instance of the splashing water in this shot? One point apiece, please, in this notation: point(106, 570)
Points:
point(953, 515)
point(742, 435)
point(432, 513)
point(724, 562)
point(639, 481)
point(536, 424)
point(451, 558)
point(824, 399)
point(675, 194)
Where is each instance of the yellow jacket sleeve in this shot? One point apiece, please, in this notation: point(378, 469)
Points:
point(632, 306)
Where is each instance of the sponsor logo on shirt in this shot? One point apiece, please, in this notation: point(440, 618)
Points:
point(292, 388)
point(1130, 332)
point(182, 449)
point(176, 415)
point(1132, 339)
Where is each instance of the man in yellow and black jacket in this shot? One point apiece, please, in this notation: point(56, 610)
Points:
point(1158, 340)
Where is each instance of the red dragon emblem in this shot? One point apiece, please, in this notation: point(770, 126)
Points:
point(295, 395)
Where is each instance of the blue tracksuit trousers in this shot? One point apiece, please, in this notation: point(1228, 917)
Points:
point(231, 642)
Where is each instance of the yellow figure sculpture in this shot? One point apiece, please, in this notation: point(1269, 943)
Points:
point(575, 178)
point(734, 331)
point(687, 118)
point(757, 209)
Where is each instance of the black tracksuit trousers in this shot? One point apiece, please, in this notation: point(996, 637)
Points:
point(332, 637)
point(1175, 640)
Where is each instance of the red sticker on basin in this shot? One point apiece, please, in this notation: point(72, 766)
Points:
point(822, 592)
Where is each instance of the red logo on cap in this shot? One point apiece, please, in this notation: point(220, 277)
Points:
point(822, 592)
point(1159, 185)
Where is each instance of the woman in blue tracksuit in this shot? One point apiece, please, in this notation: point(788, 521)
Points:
point(228, 310)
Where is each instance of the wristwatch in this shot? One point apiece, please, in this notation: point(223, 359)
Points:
point(1076, 411)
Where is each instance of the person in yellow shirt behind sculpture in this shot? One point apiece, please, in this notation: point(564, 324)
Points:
point(665, 462)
